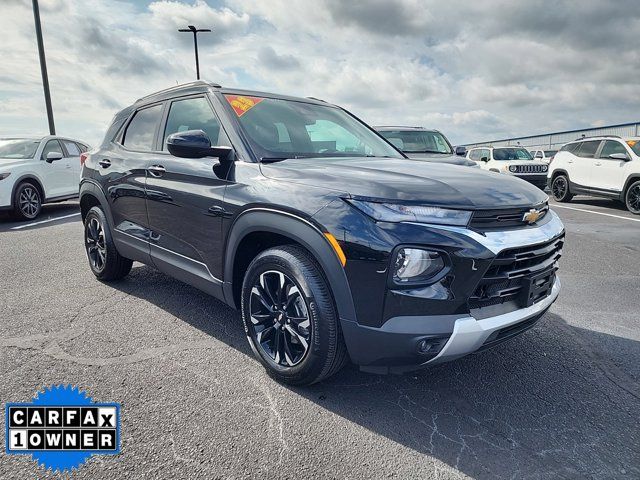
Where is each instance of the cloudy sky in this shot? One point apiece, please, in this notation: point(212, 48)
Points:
point(476, 70)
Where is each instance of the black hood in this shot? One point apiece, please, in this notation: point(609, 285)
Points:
point(405, 180)
point(440, 158)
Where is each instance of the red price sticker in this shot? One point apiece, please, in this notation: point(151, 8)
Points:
point(242, 105)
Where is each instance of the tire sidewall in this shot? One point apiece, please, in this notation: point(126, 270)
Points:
point(321, 321)
point(98, 214)
point(626, 197)
point(16, 201)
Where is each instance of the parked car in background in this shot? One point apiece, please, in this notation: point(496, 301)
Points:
point(332, 244)
point(605, 166)
point(422, 144)
point(37, 170)
point(543, 155)
point(515, 161)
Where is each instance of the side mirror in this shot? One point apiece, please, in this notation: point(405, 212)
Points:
point(461, 151)
point(484, 159)
point(53, 156)
point(619, 156)
point(196, 144)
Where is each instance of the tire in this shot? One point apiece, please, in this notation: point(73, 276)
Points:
point(632, 198)
point(560, 189)
point(104, 260)
point(27, 201)
point(287, 304)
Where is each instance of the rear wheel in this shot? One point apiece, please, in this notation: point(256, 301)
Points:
point(290, 318)
point(632, 198)
point(27, 201)
point(104, 260)
point(560, 189)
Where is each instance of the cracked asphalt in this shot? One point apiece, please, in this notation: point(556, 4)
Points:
point(560, 401)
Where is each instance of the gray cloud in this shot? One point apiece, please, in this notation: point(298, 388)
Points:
point(272, 60)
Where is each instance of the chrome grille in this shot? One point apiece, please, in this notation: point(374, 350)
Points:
point(531, 168)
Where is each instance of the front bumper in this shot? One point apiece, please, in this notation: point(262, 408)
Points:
point(397, 345)
point(539, 180)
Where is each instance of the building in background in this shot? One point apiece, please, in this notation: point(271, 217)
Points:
point(553, 141)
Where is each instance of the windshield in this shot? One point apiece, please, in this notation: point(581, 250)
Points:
point(635, 146)
point(550, 153)
point(418, 141)
point(280, 129)
point(19, 148)
point(511, 154)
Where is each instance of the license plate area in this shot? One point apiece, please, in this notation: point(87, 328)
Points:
point(538, 287)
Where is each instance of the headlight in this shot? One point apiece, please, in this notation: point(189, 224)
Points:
point(4, 175)
point(391, 212)
point(414, 265)
point(513, 169)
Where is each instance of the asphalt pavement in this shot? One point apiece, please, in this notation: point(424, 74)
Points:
point(560, 401)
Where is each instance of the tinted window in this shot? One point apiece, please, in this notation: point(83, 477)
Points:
point(51, 146)
point(142, 129)
point(72, 148)
point(550, 153)
point(588, 149)
point(570, 147)
point(418, 141)
point(278, 128)
point(193, 114)
point(610, 147)
point(83, 148)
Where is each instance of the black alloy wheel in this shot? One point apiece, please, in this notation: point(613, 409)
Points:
point(632, 198)
point(560, 189)
point(280, 318)
point(95, 243)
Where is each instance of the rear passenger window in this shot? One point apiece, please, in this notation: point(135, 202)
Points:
point(141, 130)
point(72, 148)
point(193, 114)
point(588, 149)
point(611, 147)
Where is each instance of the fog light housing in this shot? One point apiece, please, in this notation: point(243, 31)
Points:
point(417, 265)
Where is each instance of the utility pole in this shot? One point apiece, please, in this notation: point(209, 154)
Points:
point(195, 32)
point(43, 68)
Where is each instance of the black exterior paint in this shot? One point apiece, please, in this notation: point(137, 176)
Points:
point(188, 222)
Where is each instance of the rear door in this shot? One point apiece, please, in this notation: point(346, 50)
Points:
point(73, 154)
point(185, 199)
point(608, 173)
point(581, 164)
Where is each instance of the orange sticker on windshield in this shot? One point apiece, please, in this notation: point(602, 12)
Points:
point(631, 143)
point(242, 105)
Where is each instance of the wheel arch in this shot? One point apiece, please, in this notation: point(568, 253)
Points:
point(91, 195)
point(559, 171)
point(33, 179)
point(275, 227)
point(634, 177)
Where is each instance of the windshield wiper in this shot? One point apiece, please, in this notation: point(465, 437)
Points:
point(280, 159)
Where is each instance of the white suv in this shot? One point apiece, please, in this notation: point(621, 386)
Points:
point(38, 170)
point(516, 161)
point(601, 166)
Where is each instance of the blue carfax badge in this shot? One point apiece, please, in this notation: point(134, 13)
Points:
point(62, 427)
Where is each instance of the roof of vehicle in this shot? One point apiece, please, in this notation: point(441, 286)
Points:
point(22, 137)
point(204, 86)
point(384, 128)
point(605, 137)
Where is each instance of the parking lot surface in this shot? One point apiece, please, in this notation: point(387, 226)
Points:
point(560, 401)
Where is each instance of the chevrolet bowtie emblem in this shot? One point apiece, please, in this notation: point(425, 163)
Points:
point(532, 216)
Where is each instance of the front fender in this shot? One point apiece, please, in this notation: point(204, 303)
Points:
point(300, 230)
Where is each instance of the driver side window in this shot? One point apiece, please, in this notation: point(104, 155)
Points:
point(51, 146)
point(194, 114)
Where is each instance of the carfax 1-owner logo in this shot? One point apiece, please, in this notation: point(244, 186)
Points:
point(62, 427)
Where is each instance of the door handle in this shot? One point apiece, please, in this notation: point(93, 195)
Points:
point(156, 170)
point(598, 164)
point(105, 163)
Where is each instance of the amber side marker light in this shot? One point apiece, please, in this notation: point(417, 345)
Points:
point(336, 246)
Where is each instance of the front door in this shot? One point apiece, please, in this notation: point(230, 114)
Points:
point(185, 201)
point(607, 173)
point(581, 163)
point(58, 174)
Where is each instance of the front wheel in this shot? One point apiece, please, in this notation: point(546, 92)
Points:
point(632, 198)
point(104, 260)
point(560, 189)
point(290, 318)
point(27, 201)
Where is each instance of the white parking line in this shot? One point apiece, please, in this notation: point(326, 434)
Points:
point(27, 225)
point(555, 205)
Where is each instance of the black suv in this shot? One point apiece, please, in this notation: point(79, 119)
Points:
point(330, 241)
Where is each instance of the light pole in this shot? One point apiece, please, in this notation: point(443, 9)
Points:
point(195, 31)
point(43, 68)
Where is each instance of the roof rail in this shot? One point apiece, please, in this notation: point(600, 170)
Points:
point(597, 136)
point(203, 83)
point(317, 99)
